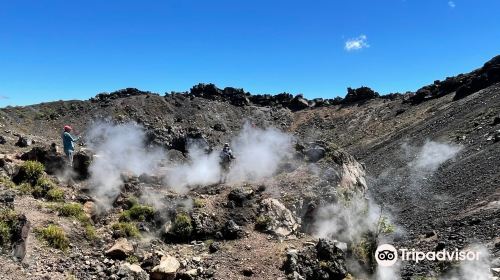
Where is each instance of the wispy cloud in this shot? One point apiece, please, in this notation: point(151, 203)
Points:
point(357, 43)
point(2, 97)
point(451, 4)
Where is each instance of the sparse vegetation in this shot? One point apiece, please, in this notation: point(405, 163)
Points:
point(55, 194)
point(75, 210)
point(198, 203)
point(182, 227)
point(132, 259)
point(384, 226)
point(25, 188)
point(4, 233)
point(90, 232)
point(55, 236)
point(70, 209)
point(263, 222)
point(31, 171)
point(8, 220)
point(7, 182)
point(365, 248)
point(127, 228)
point(137, 212)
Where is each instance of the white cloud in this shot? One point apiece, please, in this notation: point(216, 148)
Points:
point(451, 4)
point(357, 43)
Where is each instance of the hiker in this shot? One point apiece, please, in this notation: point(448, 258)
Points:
point(226, 156)
point(68, 143)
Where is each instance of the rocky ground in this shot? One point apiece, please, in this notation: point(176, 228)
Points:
point(361, 150)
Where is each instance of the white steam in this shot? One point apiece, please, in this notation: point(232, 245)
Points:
point(119, 149)
point(475, 269)
point(202, 169)
point(346, 222)
point(433, 154)
point(258, 154)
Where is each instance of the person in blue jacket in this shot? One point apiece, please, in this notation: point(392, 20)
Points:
point(69, 143)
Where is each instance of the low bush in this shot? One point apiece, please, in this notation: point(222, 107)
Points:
point(30, 171)
point(129, 229)
point(55, 194)
point(263, 222)
point(137, 212)
point(182, 226)
point(54, 236)
point(198, 203)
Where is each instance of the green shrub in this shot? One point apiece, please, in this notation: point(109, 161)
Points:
point(7, 182)
point(55, 194)
point(54, 236)
point(74, 210)
point(8, 220)
point(70, 209)
point(263, 222)
point(32, 171)
point(384, 226)
point(42, 187)
point(5, 235)
point(364, 249)
point(182, 226)
point(132, 259)
point(25, 188)
point(198, 203)
point(129, 229)
point(137, 213)
point(90, 233)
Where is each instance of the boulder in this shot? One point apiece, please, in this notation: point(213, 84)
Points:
point(240, 196)
point(276, 218)
point(298, 103)
point(359, 94)
point(232, 230)
point(129, 271)
point(120, 250)
point(90, 209)
point(53, 162)
point(166, 270)
point(81, 163)
point(2, 140)
point(204, 225)
point(7, 198)
point(323, 261)
point(314, 153)
point(24, 141)
point(20, 236)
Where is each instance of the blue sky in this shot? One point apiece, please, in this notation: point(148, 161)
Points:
point(51, 50)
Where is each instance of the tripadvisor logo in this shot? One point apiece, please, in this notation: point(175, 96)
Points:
point(387, 255)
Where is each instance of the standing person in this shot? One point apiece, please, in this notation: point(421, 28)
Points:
point(226, 156)
point(69, 143)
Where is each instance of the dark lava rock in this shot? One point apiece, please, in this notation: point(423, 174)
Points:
point(53, 162)
point(359, 94)
point(2, 140)
point(7, 198)
point(20, 236)
point(298, 103)
point(214, 247)
point(240, 196)
point(24, 142)
point(248, 272)
point(219, 127)
point(204, 225)
point(81, 163)
point(231, 230)
point(324, 261)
